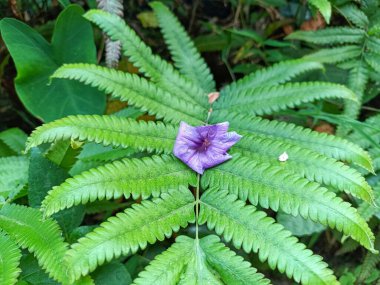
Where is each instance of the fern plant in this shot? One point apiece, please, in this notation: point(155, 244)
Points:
point(229, 199)
point(355, 48)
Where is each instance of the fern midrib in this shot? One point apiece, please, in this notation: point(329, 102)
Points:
point(300, 262)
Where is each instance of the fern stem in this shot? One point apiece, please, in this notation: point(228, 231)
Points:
point(197, 206)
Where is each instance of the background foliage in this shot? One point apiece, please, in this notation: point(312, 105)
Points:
point(316, 41)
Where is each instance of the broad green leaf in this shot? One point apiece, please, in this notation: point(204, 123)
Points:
point(36, 60)
point(43, 175)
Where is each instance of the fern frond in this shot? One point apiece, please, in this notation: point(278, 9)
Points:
point(252, 230)
point(306, 163)
point(330, 36)
point(14, 138)
point(127, 232)
point(374, 133)
point(324, 7)
point(373, 60)
point(185, 55)
point(328, 145)
point(278, 73)
point(137, 177)
point(108, 130)
point(369, 264)
point(357, 81)
point(134, 89)
point(42, 237)
point(335, 55)
point(14, 174)
point(267, 100)
point(168, 267)
point(161, 72)
point(272, 187)
point(356, 16)
point(231, 267)
point(10, 256)
point(373, 44)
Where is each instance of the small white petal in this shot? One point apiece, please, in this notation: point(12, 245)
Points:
point(283, 157)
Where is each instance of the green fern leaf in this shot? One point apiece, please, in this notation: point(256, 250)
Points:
point(14, 174)
point(335, 55)
point(167, 268)
point(324, 6)
point(10, 256)
point(267, 100)
point(353, 14)
point(107, 130)
point(357, 81)
point(42, 237)
point(328, 145)
point(330, 36)
point(14, 138)
point(272, 187)
point(373, 60)
point(270, 76)
point(134, 89)
point(185, 55)
point(197, 270)
point(136, 177)
point(252, 230)
point(135, 228)
point(161, 72)
point(369, 264)
point(373, 44)
point(374, 133)
point(306, 163)
point(231, 267)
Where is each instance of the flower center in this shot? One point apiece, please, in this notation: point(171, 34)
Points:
point(206, 143)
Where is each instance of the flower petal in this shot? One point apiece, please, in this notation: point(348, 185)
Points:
point(204, 146)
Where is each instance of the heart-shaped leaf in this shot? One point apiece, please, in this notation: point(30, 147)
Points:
point(36, 60)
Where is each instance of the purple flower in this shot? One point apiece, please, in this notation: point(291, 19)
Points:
point(205, 146)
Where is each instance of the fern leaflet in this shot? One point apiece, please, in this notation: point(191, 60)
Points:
point(267, 100)
point(108, 130)
point(136, 90)
point(306, 163)
point(14, 175)
point(252, 230)
point(168, 267)
point(270, 76)
point(330, 36)
point(335, 55)
point(271, 187)
point(41, 237)
point(161, 72)
point(328, 145)
point(185, 55)
point(354, 15)
point(127, 232)
point(136, 177)
point(10, 256)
